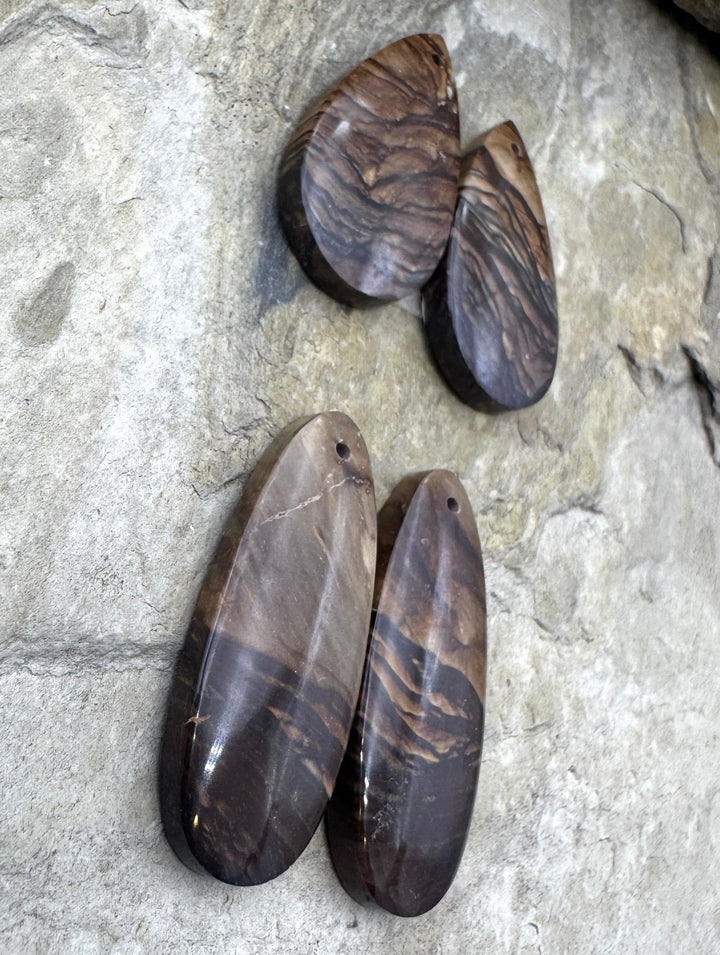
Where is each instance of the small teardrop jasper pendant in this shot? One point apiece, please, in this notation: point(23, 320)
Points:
point(266, 685)
point(400, 813)
point(368, 183)
point(490, 309)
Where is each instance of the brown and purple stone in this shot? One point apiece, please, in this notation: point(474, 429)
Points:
point(490, 308)
point(401, 809)
point(368, 182)
point(266, 685)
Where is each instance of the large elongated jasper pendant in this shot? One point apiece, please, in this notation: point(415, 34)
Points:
point(368, 183)
point(400, 813)
point(490, 309)
point(266, 685)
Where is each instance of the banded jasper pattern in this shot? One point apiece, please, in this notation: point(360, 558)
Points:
point(368, 183)
point(266, 686)
point(490, 309)
point(399, 817)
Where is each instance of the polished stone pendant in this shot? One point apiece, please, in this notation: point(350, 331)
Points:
point(368, 183)
point(490, 309)
point(266, 685)
point(400, 813)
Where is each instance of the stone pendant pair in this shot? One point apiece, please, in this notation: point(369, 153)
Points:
point(377, 204)
point(270, 717)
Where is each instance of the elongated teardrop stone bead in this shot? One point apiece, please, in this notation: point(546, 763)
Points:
point(368, 183)
point(490, 308)
point(266, 686)
point(399, 817)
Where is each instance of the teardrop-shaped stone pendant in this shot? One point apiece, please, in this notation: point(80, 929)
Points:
point(265, 689)
point(368, 183)
point(400, 813)
point(490, 308)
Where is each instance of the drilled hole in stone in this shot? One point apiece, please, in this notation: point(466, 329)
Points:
point(453, 505)
point(343, 450)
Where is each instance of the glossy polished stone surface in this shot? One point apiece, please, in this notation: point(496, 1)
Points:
point(399, 817)
point(211, 338)
point(490, 309)
point(266, 685)
point(368, 183)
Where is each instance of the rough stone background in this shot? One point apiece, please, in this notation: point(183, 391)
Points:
point(706, 11)
point(155, 333)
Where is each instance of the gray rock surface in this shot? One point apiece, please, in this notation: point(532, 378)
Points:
point(706, 11)
point(155, 333)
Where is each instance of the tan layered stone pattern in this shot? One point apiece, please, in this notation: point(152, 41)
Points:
point(368, 182)
point(399, 817)
point(490, 309)
point(266, 686)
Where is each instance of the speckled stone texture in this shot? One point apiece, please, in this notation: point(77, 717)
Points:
point(155, 333)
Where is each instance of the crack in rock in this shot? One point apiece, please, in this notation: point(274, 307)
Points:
point(647, 377)
point(66, 659)
point(656, 194)
point(126, 41)
point(708, 392)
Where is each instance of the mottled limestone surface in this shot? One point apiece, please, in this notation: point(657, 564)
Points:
point(155, 333)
